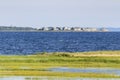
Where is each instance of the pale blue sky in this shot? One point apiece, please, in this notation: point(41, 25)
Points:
point(40, 13)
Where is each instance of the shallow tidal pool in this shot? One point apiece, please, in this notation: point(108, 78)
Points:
point(51, 78)
point(66, 69)
point(88, 70)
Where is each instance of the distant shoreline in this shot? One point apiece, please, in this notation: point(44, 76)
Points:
point(53, 29)
point(50, 31)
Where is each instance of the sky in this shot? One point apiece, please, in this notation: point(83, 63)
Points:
point(60, 13)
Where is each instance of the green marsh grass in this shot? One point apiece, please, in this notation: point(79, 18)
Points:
point(37, 64)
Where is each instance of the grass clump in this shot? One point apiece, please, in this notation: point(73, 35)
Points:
point(63, 55)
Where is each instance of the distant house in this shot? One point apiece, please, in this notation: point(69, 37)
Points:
point(66, 28)
point(76, 29)
point(40, 29)
point(56, 28)
point(103, 29)
point(47, 28)
point(94, 29)
point(60, 28)
point(89, 29)
point(50, 28)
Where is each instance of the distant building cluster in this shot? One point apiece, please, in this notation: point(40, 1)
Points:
point(80, 29)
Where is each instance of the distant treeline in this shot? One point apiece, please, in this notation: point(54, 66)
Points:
point(13, 28)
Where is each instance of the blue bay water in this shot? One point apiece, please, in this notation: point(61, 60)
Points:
point(33, 42)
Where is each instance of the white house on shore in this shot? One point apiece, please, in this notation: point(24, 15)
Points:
point(66, 28)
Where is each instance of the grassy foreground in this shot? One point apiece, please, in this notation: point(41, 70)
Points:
point(36, 65)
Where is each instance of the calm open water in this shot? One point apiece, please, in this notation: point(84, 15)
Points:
point(32, 42)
